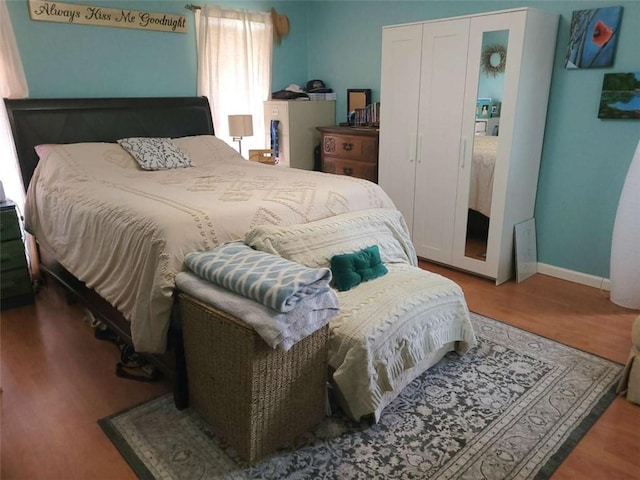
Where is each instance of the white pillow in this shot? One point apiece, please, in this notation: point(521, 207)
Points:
point(207, 150)
point(87, 154)
point(155, 153)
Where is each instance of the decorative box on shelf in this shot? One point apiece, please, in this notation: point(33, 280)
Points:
point(265, 156)
point(15, 280)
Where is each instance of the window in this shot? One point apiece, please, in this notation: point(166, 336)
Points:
point(234, 67)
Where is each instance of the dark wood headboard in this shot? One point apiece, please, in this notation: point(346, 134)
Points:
point(39, 121)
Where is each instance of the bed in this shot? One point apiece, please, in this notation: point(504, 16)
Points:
point(291, 196)
point(145, 221)
point(59, 121)
point(159, 215)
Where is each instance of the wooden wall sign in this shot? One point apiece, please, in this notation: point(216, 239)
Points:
point(106, 17)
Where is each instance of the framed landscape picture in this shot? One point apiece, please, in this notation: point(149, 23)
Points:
point(620, 97)
point(593, 37)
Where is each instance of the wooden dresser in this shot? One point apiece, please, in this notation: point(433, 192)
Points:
point(350, 151)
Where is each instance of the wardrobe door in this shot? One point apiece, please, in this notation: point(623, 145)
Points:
point(528, 37)
point(438, 146)
point(400, 94)
point(483, 174)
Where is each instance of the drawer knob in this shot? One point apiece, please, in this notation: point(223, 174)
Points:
point(347, 146)
point(347, 171)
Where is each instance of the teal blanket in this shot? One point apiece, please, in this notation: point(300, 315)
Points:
point(275, 282)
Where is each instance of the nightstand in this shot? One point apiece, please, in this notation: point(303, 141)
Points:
point(15, 281)
point(350, 151)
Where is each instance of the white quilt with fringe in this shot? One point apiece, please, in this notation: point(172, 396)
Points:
point(386, 326)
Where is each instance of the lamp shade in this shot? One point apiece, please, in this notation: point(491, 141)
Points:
point(625, 244)
point(240, 125)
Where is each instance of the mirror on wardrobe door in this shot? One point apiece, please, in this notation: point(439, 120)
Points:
point(485, 144)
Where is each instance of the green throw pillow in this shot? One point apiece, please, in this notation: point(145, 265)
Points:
point(351, 269)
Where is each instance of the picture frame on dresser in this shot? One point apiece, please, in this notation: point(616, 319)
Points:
point(357, 98)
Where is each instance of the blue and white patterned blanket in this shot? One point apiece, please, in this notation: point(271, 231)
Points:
point(275, 282)
point(279, 330)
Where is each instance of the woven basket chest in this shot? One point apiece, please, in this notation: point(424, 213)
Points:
point(257, 399)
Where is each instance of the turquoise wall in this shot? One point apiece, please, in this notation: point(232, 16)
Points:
point(584, 162)
point(70, 60)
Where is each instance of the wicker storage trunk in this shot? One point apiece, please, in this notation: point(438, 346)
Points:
point(256, 398)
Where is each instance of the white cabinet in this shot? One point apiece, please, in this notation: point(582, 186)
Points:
point(297, 134)
point(417, 141)
point(429, 151)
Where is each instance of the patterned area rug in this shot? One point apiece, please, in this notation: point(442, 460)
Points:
point(512, 407)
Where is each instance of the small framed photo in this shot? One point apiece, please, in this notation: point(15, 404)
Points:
point(483, 108)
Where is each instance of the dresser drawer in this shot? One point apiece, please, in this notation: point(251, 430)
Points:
point(361, 148)
point(9, 226)
point(342, 166)
point(15, 282)
point(12, 255)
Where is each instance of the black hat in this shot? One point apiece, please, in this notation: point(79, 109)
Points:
point(317, 86)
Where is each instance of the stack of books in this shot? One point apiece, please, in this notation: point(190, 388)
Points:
point(367, 116)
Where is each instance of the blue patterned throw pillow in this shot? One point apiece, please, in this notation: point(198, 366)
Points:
point(155, 153)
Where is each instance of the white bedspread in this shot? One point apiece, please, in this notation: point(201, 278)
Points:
point(125, 231)
point(389, 325)
point(386, 326)
point(482, 169)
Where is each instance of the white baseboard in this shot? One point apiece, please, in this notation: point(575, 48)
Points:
point(573, 276)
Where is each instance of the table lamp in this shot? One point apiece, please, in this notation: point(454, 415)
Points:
point(240, 126)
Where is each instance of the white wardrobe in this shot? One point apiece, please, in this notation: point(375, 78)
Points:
point(430, 160)
point(297, 132)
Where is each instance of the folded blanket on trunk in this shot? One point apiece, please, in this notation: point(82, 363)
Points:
point(275, 282)
point(279, 330)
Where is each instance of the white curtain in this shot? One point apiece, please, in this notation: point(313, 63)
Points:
point(234, 68)
point(13, 84)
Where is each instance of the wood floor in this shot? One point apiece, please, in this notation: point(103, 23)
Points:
point(57, 380)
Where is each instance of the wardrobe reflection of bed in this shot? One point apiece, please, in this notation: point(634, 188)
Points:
point(481, 185)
